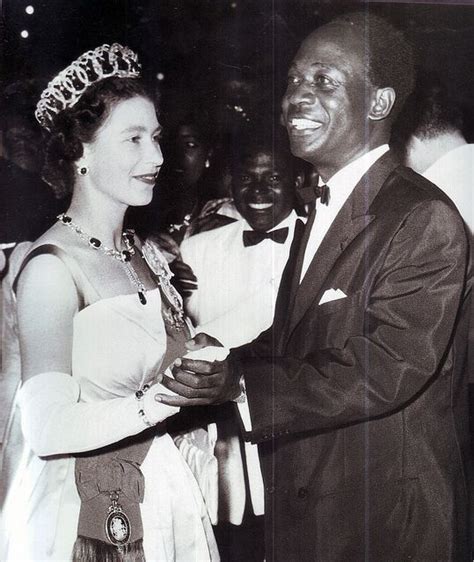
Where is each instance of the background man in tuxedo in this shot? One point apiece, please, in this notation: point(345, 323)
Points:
point(239, 266)
point(357, 395)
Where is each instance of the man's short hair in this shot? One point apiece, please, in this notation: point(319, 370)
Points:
point(390, 58)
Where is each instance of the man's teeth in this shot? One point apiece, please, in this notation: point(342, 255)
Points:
point(300, 124)
point(260, 206)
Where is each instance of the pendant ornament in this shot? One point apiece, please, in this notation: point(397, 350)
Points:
point(117, 525)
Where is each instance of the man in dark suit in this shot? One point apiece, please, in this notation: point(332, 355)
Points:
point(357, 394)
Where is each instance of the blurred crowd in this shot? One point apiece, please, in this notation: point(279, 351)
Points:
point(201, 139)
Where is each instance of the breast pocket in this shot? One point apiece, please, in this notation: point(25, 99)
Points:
point(335, 321)
point(352, 300)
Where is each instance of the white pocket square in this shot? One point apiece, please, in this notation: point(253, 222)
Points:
point(332, 295)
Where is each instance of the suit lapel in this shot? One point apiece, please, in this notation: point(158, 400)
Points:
point(299, 258)
point(285, 293)
point(351, 220)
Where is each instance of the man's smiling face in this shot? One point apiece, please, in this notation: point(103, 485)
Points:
point(325, 106)
point(263, 186)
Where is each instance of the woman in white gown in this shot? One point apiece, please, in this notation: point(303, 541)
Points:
point(98, 324)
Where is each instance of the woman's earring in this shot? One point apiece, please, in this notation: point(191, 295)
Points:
point(207, 163)
point(83, 170)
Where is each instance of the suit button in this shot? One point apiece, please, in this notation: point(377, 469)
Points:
point(270, 490)
point(302, 493)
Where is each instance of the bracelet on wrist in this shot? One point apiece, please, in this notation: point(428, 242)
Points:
point(139, 395)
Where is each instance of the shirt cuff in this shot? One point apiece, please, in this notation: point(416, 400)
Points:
point(243, 406)
point(242, 397)
point(245, 415)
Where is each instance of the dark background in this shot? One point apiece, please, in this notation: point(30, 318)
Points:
point(194, 42)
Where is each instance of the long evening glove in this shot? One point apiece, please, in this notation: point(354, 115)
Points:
point(55, 422)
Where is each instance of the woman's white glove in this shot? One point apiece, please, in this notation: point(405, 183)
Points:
point(55, 422)
point(156, 412)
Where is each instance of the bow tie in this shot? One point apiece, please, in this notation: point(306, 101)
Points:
point(253, 237)
point(310, 194)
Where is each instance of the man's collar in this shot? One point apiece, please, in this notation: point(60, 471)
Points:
point(348, 177)
point(289, 221)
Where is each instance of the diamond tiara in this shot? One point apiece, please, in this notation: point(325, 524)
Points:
point(65, 89)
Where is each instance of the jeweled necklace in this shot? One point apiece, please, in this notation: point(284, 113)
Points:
point(122, 256)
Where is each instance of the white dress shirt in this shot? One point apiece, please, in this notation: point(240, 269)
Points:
point(341, 186)
point(454, 174)
point(235, 302)
point(237, 285)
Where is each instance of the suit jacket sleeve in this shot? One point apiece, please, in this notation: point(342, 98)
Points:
point(407, 329)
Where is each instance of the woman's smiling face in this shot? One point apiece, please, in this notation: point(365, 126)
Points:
point(125, 156)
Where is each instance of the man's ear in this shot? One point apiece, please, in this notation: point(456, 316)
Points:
point(382, 104)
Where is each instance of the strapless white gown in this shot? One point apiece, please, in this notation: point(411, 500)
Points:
point(118, 345)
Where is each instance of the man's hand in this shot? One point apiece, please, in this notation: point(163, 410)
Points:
point(201, 382)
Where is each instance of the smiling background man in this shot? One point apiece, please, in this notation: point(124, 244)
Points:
point(357, 395)
point(239, 266)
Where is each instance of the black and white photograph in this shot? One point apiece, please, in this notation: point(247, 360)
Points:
point(236, 281)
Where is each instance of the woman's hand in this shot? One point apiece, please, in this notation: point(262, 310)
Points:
point(201, 341)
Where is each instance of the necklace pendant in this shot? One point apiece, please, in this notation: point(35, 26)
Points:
point(124, 257)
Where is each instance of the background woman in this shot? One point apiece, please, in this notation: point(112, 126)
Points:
point(184, 180)
point(95, 332)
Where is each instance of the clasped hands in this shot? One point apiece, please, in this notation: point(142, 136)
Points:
point(197, 382)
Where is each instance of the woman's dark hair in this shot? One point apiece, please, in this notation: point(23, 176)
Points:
point(79, 124)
